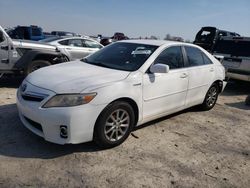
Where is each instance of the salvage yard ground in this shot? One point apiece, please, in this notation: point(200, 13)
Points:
point(188, 149)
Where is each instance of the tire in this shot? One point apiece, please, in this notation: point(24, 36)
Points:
point(109, 130)
point(210, 98)
point(35, 65)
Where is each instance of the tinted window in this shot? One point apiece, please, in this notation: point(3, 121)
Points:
point(205, 35)
point(122, 56)
point(172, 57)
point(206, 60)
point(75, 42)
point(222, 34)
point(194, 56)
point(91, 44)
point(64, 42)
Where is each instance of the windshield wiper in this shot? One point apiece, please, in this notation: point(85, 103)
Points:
point(102, 65)
point(85, 60)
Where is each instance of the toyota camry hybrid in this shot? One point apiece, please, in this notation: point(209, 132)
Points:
point(105, 95)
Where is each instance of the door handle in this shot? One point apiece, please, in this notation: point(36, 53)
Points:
point(4, 47)
point(211, 70)
point(184, 75)
point(68, 48)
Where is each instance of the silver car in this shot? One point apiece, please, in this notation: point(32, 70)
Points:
point(74, 47)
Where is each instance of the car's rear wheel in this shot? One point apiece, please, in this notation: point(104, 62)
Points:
point(211, 97)
point(114, 124)
point(35, 65)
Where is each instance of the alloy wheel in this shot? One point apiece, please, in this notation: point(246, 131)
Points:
point(117, 125)
point(211, 96)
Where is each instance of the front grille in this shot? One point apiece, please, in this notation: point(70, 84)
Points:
point(34, 124)
point(36, 97)
point(32, 98)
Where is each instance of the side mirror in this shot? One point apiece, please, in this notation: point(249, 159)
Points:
point(159, 68)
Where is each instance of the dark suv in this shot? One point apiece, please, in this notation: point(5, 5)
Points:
point(208, 36)
point(26, 32)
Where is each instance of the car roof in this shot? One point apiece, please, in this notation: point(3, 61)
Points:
point(157, 42)
point(68, 37)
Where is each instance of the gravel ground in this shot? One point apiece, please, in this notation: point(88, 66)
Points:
point(187, 149)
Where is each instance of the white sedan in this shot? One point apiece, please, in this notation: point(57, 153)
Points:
point(104, 96)
point(74, 47)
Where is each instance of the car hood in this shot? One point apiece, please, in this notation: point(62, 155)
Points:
point(32, 45)
point(74, 77)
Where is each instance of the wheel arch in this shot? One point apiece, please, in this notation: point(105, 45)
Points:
point(220, 84)
point(45, 57)
point(52, 56)
point(130, 101)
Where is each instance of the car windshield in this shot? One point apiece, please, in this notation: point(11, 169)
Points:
point(122, 56)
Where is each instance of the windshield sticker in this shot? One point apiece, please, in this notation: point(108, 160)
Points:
point(138, 51)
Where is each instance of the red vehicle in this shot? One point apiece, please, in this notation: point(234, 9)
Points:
point(116, 37)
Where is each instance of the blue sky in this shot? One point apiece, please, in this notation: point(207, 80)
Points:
point(133, 17)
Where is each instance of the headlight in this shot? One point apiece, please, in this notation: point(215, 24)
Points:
point(67, 100)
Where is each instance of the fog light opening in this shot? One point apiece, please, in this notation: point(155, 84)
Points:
point(63, 131)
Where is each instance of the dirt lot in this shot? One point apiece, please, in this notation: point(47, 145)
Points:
point(188, 149)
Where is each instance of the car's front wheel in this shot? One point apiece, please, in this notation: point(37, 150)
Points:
point(114, 124)
point(211, 97)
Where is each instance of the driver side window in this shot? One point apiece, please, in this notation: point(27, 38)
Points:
point(172, 57)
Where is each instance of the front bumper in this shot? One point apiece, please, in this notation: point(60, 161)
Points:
point(46, 122)
point(224, 83)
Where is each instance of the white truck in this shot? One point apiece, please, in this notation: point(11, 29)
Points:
point(23, 56)
point(232, 49)
point(236, 56)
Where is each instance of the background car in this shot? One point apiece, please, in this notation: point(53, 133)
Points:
point(207, 37)
point(26, 32)
point(119, 36)
point(74, 47)
point(24, 56)
point(106, 41)
point(116, 37)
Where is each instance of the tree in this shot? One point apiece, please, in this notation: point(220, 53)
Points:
point(168, 37)
point(153, 37)
point(187, 41)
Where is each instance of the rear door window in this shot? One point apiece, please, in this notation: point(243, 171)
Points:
point(75, 42)
point(91, 44)
point(206, 60)
point(64, 42)
point(194, 56)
